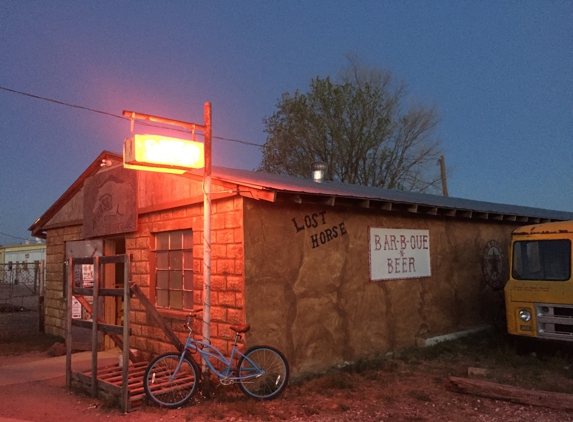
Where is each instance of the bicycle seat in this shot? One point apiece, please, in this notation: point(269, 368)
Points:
point(240, 328)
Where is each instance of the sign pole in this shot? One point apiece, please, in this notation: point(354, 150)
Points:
point(170, 162)
point(207, 230)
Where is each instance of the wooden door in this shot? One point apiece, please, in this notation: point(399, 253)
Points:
point(113, 278)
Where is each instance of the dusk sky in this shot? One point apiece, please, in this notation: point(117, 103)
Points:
point(499, 72)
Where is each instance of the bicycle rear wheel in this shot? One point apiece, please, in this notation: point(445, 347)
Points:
point(263, 373)
point(167, 392)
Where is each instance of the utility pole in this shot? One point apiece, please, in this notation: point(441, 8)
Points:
point(442, 162)
point(207, 230)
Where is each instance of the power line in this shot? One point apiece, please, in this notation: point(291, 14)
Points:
point(13, 237)
point(251, 144)
point(61, 102)
point(51, 100)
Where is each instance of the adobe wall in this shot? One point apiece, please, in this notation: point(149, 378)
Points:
point(54, 300)
point(227, 279)
point(315, 301)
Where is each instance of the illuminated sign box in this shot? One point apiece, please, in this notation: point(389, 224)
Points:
point(160, 153)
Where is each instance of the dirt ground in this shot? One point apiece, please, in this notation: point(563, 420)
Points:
point(401, 388)
point(398, 390)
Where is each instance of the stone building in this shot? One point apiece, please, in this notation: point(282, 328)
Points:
point(326, 272)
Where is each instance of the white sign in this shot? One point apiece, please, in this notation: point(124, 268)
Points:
point(76, 309)
point(88, 275)
point(399, 254)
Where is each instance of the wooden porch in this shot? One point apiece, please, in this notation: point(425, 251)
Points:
point(120, 384)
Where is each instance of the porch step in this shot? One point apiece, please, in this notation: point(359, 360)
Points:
point(109, 383)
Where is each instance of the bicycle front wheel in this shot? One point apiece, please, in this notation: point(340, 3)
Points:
point(263, 373)
point(167, 390)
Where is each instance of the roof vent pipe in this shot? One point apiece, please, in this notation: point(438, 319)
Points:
point(318, 170)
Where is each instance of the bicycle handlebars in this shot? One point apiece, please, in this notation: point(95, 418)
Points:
point(192, 314)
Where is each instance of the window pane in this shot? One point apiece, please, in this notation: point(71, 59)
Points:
point(162, 279)
point(176, 300)
point(187, 239)
point(533, 257)
point(162, 262)
point(188, 280)
point(546, 260)
point(162, 241)
point(174, 269)
point(188, 300)
point(175, 260)
point(162, 298)
point(188, 260)
point(176, 240)
point(175, 280)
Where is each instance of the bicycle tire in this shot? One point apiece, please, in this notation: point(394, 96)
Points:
point(171, 394)
point(272, 382)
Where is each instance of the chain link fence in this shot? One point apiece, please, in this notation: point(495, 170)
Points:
point(20, 284)
point(21, 297)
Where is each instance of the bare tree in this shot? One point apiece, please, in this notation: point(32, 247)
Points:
point(359, 128)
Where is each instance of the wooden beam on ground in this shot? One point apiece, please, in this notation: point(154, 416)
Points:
point(559, 401)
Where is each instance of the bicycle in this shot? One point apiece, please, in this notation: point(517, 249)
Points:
point(171, 379)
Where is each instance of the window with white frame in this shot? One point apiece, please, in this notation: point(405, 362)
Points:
point(174, 269)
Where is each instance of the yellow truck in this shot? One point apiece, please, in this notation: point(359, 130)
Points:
point(539, 293)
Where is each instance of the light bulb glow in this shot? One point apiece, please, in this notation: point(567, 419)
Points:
point(171, 151)
point(162, 152)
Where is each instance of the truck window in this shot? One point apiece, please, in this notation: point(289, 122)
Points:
point(545, 260)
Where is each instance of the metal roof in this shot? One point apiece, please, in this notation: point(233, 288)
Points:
point(283, 188)
point(290, 188)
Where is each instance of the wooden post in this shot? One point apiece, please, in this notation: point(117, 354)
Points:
point(95, 316)
point(41, 290)
point(69, 295)
point(126, 406)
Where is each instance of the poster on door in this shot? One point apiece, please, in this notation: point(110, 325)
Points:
point(76, 309)
point(88, 275)
point(399, 253)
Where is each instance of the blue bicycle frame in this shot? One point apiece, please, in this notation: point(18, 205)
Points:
point(172, 378)
point(208, 351)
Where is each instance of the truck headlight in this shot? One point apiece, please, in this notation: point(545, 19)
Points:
point(525, 315)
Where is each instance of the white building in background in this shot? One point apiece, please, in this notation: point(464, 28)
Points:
point(27, 252)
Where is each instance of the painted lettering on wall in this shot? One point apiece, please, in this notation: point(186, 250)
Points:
point(398, 253)
point(318, 220)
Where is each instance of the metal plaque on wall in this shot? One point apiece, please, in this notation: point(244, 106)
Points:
point(110, 202)
point(493, 265)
